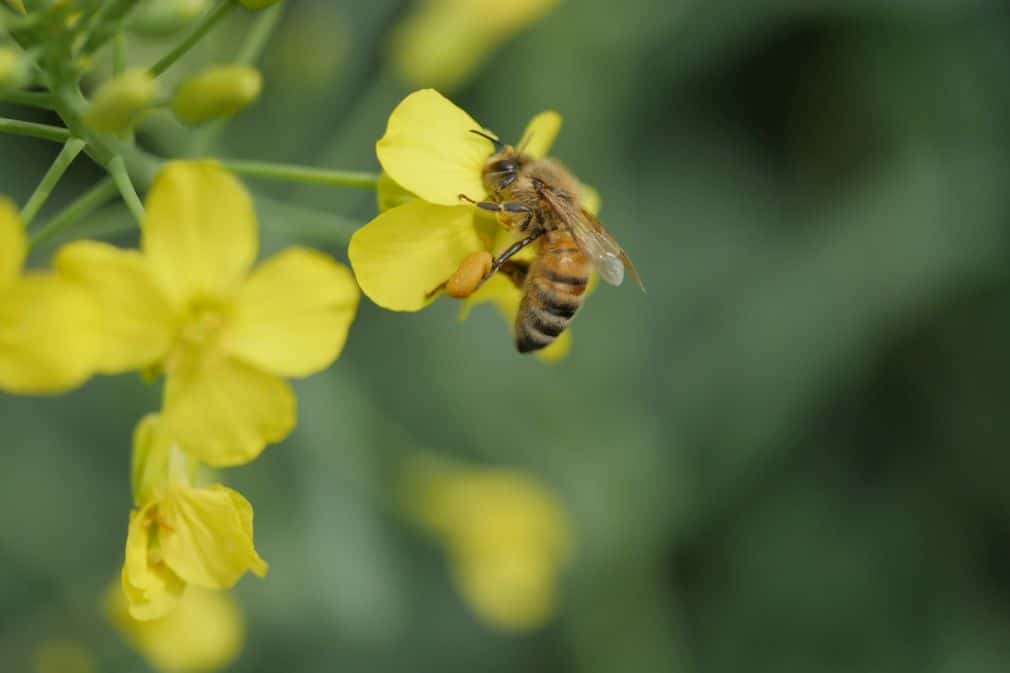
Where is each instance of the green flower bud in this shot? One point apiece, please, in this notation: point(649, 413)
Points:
point(18, 6)
point(119, 102)
point(163, 17)
point(13, 70)
point(219, 91)
point(257, 4)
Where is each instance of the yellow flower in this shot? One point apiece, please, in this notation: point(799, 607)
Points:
point(430, 157)
point(506, 536)
point(180, 534)
point(49, 331)
point(204, 633)
point(187, 304)
point(442, 41)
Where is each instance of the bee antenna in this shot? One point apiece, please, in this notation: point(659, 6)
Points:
point(498, 145)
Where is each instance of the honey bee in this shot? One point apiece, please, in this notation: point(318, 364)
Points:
point(542, 200)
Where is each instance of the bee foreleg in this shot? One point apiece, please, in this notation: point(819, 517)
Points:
point(505, 207)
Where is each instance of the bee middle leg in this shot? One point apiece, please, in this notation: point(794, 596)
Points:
point(512, 250)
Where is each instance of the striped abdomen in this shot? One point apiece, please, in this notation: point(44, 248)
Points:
point(554, 289)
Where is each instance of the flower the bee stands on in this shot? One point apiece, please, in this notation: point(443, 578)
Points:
point(436, 153)
point(461, 213)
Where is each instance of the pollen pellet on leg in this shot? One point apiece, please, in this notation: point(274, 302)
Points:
point(469, 275)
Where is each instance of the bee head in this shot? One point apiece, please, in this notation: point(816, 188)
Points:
point(502, 167)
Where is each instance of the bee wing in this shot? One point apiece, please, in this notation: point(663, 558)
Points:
point(608, 257)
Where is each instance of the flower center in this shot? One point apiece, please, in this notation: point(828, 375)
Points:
point(198, 334)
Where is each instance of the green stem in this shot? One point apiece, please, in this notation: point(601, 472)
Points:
point(108, 22)
point(37, 99)
point(33, 130)
point(258, 36)
point(49, 180)
point(117, 169)
point(303, 174)
point(208, 21)
point(83, 206)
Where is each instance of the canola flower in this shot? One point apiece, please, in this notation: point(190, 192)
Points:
point(190, 305)
point(49, 331)
point(204, 633)
point(430, 156)
point(441, 42)
point(180, 534)
point(507, 538)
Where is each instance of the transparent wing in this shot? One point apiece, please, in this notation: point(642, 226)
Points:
point(608, 257)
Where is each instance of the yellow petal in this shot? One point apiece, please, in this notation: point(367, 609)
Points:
point(292, 316)
point(515, 591)
point(204, 633)
point(442, 42)
point(389, 194)
point(498, 290)
point(149, 463)
point(590, 199)
point(208, 539)
point(200, 235)
point(13, 245)
point(50, 338)
point(224, 412)
point(151, 588)
point(428, 149)
point(135, 315)
point(540, 133)
point(157, 462)
point(557, 350)
point(405, 253)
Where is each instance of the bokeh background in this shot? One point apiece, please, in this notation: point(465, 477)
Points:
point(790, 455)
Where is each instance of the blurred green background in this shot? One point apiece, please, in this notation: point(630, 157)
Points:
point(790, 455)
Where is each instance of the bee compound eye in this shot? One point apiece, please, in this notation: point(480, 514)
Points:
point(469, 275)
point(504, 166)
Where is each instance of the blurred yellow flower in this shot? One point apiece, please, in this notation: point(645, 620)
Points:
point(204, 633)
point(429, 157)
point(507, 538)
point(443, 41)
point(49, 331)
point(186, 303)
point(180, 534)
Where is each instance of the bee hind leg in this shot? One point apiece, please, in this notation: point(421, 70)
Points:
point(515, 271)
